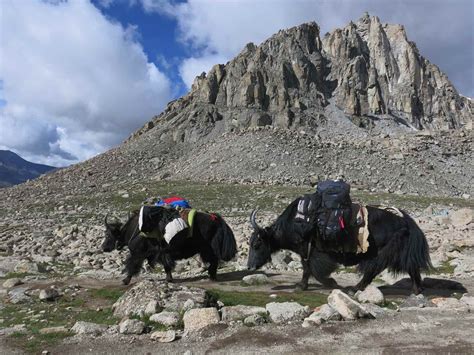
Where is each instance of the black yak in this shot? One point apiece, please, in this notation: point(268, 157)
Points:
point(395, 243)
point(211, 238)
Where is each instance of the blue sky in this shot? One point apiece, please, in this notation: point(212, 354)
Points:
point(77, 77)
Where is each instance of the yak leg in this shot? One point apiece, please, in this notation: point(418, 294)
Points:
point(371, 270)
point(416, 281)
point(169, 276)
point(212, 270)
point(303, 284)
point(133, 265)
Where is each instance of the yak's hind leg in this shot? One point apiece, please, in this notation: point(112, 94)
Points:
point(208, 256)
point(133, 265)
point(370, 269)
point(321, 265)
point(303, 284)
point(416, 281)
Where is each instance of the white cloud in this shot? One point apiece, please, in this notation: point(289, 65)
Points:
point(74, 83)
point(191, 67)
point(220, 29)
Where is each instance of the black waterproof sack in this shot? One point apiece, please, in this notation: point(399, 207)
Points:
point(334, 215)
point(153, 218)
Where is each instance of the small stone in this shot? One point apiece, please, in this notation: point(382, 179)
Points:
point(88, 328)
point(254, 319)
point(170, 319)
point(52, 330)
point(198, 318)
point(469, 301)
point(131, 326)
point(257, 279)
point(233, 313)
point(49, 294)
point(320, 315)
point(371, 294)
point(151, 307)
point(419, 301)
point(163, 336)
point(282, 312)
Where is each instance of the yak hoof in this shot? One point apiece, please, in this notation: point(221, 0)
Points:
point(301, 286)
point(126, 280)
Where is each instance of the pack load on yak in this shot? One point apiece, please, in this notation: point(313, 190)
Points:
point(180, 217)
point(335, 211)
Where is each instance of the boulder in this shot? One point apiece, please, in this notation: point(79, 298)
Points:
point(233, 313)
point(198, 318)
point(163, 336)
point(257, 279)
point(321, 314)
point(170, 319)
point(371, 294)
point(88, 328)
point(346, 306)
point(131, 326)
point(282, 312)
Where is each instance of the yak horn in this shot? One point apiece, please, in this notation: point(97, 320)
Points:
point(252, 219)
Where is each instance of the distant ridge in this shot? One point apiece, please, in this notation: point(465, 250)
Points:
point(15, 170)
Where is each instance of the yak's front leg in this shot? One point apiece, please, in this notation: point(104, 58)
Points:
point(303, 284)
point(133, 265)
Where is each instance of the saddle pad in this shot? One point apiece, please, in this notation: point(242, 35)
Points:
point(360, 218)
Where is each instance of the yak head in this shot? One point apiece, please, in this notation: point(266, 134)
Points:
point(113, 236)
point(260, 251)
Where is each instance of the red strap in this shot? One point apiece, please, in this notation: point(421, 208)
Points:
point(341, 222)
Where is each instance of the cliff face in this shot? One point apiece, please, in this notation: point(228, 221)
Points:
point(379, 71)
point(367, 71)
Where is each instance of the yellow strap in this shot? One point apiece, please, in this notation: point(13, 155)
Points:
point(191, 215)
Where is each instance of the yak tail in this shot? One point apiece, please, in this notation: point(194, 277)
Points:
point(223, 244)
point(416, 254)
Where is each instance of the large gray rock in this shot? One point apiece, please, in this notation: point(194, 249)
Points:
point(346, 306)
point(196, 319)
point(88, 328)
point(131, 326)
point(27, 267)
point(321, 314)
point(170, 319)
point(233, 313)
point(371, 294)
point(149, 295)
point(282, 312)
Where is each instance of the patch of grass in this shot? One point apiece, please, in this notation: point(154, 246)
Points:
point(111, 294)
point(11, 275)
point(348, 270)
point(444, 268)
point(234, 298)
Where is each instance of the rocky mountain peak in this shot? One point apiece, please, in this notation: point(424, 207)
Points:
point(367, 71)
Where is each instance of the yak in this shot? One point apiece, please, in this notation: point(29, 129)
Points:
point(211, 238)
point(395, 243)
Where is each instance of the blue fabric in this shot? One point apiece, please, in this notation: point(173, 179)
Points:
point(174, 204)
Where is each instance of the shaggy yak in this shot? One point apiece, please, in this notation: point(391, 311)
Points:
point(395, 242)
point(211, 238)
